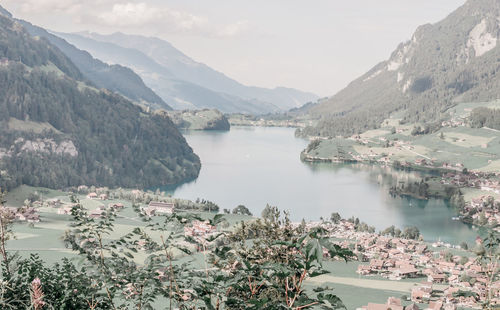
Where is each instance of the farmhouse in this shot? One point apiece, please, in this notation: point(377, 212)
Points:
point(97, 213)
point(392, 304)
point(116, 206)
point(156, 208)
point(65, 209)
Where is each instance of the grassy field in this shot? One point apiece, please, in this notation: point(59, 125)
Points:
point(45, 237)
point(475, 148)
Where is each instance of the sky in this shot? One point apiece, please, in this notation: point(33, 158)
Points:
point(313, 45)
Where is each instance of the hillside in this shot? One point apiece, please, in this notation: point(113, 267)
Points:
point(58, 131)
point(185, 69)
point(113, 77)
point(455, 60)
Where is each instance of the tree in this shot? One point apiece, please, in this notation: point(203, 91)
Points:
point(269, 272)
point(489, 257)
point(242, 210)
point(6, 219)
point(335, 218)
point(389, 231)
point(411, 232)
point(464, 245)
point(269, 212)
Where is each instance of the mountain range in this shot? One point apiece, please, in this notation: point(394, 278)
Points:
point(452, 61)
point(181, 81)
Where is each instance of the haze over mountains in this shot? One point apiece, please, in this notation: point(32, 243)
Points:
point(454, 60)
point(181, 81)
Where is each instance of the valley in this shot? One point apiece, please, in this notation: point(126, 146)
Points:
point(133, 176)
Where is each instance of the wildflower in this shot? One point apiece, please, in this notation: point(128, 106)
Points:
point(37, 294)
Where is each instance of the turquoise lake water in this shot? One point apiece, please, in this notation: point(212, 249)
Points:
point(256, 166)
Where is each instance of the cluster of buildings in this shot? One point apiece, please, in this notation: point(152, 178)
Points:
point(449, 281)
point(392, 303)
point(102, 196)
point(479, 180)
point(23, 214)
point(455, 122)
point(482, 210)
point(200, 229)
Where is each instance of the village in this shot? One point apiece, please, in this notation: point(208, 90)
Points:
point(443, 280)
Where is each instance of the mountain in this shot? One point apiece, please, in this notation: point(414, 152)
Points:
point(113, 77)
point(455, 60)
point(183, 68)
point(57, 130)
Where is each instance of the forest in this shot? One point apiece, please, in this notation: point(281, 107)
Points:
point(117, 142)
point(485, 117)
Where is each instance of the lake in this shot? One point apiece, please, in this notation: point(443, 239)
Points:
point(255, 166)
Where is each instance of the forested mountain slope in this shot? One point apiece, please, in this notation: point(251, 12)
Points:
point(58, 131)
point(454, 60)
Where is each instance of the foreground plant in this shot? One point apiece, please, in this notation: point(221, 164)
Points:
point(262, 265)
point(267, 267)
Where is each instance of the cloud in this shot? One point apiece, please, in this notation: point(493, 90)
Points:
point(131, 15)
point(165, 19)
point(141, 14)
point(233, 29)
point(46, 6)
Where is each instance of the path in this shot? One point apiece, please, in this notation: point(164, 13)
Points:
point(408, 149)
point(491, 129)
point(398, 286)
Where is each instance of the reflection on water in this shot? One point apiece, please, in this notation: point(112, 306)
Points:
point(256, 166)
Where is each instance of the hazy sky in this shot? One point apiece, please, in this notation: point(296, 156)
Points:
point(313, 45)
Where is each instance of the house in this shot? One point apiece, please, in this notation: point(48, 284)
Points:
point(435, 305)
point(33, 218)
point(65, 210)
point(97, 213)
point(92, 196)
point(116, 206)
point(420, 161)
point(406, 272)
point(162, 207)
point(392, 304)
point(364, 270)
point(103, 197)
point(413, 306)
point(420, 294)
point(436, 278)
point(376, 264)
